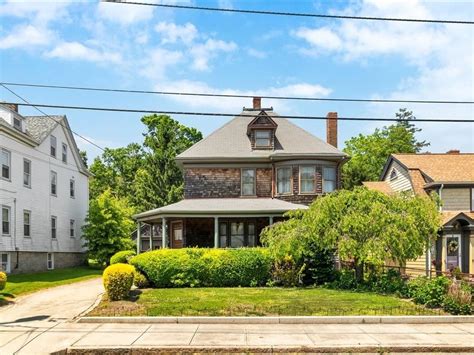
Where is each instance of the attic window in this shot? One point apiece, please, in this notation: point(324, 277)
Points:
point(393, 175)
point(263, 138)
point(17, 123)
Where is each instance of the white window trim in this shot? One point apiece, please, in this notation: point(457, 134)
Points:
point(9, 178)
point(29, 214)
point(9, 221)
point(8, 266)
point(269, 138)
point(335, 179)
point(53, 173)
point(55, 227)
point(52, 261)
point(254, 182)
point(73, 188)
point(62, 153)
point(29, 174)
point(55, 146)
point(73, 229)
point(299, 180)
point(291, 180)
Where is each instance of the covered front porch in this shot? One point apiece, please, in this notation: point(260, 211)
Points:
point(218, 223)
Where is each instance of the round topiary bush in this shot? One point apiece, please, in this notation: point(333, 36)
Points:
point(118, 279)
point(3, 280)
point(140, 280)
point(122, 257)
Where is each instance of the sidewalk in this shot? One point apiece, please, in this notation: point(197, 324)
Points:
point(89, 337)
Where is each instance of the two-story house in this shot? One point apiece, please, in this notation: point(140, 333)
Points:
point(451, 176)
point(243, 177)
point(43, 193)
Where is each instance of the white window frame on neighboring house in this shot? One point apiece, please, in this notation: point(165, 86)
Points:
point(53, 146)
point(50, 261)
point(72, 188)
point(64, 153)
point(332, 180)
point(5, 262)
point(53, 187)
point(26, 173)
point(27, 226)
point(72, 228)
point(281, 178)
point(242, 182)
point(54, 227)
point(6, 161)
point(8, 220)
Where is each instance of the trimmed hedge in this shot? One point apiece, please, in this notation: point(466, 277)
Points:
point(3, 280)
point(122, 257)
point(201, 267)
point(118, 280)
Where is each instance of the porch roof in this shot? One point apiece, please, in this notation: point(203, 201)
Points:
point(222, 206)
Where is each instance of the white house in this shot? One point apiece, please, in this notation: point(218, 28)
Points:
point(44, 193)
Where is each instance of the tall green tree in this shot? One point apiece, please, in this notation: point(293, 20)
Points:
point(365, 226)
point(370, 152)
point(108, 227)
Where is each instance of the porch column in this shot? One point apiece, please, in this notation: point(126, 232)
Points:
point(216, 232)
point(270, 220)
point(164, 233)
point(151, 236)
point(444, 252)
point(428, 261)
point(139, 225)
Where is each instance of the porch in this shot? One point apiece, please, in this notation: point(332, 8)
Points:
point(218, 223)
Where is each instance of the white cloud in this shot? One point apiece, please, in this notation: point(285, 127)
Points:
point(158, 61)
point(256, 53)
point(39, 12)
point(78, 51)
point(234, 104)
point(26, 36)
point(171, 32)
point(204, 52)
point(322, 38)
point(124, 14)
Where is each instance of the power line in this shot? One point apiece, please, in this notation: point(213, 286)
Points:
point(27, 103)
point(297, 14)
point(214, 114)
point(179, 93)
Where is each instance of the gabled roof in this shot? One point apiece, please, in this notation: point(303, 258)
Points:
point(450, 216)
point(262, 120)
point(438, 167)
point(381, 186)
point(39, 127)
point(231, 142)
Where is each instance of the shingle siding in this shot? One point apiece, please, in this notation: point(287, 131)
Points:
point(211, 182)
point(456, 199)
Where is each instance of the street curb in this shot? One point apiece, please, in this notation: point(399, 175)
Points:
point(267, 349)
point(285, 320)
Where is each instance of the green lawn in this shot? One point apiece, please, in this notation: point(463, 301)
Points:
point(21, 284)
point(257, 302)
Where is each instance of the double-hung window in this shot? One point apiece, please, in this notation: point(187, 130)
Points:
point(284, 180)
point(50, 261)
point(26, 173)
point(6, 216)
point(72, 188)
point(5, 262)
point(26, 223)
point(6, 163)
point(263, 138)
point(17, 123)
point(308, 179)
point(248, 182)
point(72, 228)
point(329, 179)
point(53, 146)
point(53, 227)
point(64, 153)
point(54, 183)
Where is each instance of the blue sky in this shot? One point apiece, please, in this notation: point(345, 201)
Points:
point(86, 43)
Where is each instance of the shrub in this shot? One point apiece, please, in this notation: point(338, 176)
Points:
point(191, 267)
point(122, 257)
point(387, 282)
point(286, 272)
point(344, 280)
point(140, 280)
point(118, 280)
point(428, 292)
point(3, 280)
point(318, 265)
point(458, 299)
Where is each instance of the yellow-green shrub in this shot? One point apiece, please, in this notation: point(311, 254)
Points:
point(140, 280)
point(122, 257)
point(118, 279)
point(3, 280)
point(205, 267)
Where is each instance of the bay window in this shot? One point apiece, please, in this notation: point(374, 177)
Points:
point(308, 179)
point(248, 182)
point(329, 179)
point(284, 180)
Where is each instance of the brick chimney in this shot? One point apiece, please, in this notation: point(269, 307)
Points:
point(331, 128)
point(257, 103)
point(12, 107)
point(453, 151)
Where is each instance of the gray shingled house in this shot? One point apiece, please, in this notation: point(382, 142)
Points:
point(243, 177)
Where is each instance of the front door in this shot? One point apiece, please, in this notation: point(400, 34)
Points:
point(453, 251)
point(176, 234)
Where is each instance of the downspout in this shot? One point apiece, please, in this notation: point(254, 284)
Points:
point(14, 235)
point(428, 248)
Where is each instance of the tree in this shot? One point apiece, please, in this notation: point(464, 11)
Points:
point(83, 155)
point(108, 227)
point(365, 226)
point(370, 152)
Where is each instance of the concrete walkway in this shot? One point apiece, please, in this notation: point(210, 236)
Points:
point(140, 338)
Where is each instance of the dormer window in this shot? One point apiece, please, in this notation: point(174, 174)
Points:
point(263, 138)
point(393, 174)
point(17, 123)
